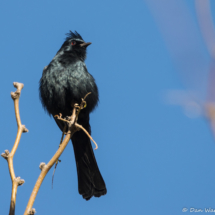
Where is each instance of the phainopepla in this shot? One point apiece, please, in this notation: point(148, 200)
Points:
point(64, 82)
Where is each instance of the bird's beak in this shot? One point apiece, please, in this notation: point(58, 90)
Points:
point(85, 44)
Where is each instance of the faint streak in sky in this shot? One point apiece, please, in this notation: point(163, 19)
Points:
point(183, 39)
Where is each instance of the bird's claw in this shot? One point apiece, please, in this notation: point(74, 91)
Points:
point(58, 116)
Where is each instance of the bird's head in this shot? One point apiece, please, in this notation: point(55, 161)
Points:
point(74, 46)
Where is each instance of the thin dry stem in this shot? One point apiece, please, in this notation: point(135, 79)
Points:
point(81, 127)
point(9, 155)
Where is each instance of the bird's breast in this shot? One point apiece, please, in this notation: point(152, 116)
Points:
point(61, 85)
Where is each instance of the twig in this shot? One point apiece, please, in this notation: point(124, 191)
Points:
point(16, 181)
point(81, 127)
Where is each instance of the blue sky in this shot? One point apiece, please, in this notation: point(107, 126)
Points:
point(153, 158)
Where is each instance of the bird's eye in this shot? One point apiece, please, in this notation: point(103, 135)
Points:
point(73, 43)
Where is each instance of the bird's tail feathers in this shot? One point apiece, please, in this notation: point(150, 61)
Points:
point(90, 181)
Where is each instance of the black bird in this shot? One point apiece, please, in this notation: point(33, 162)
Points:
point(64, 82)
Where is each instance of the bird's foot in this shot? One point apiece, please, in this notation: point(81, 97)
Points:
point(60, 117)
point(81, 106)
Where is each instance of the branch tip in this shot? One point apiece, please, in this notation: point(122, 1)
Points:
point(24, 129)
point(32, 211)
point(18, 86)
point(42, 165)
point(14, 95)
point(19, 181)
point(5, 154)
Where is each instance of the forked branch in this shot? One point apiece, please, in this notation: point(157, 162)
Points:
point(16, 181)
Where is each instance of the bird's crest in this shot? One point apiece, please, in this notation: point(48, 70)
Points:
point(75, 36)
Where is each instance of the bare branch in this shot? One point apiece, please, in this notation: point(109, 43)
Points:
point(16, 181)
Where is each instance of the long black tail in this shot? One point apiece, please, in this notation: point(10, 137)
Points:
point(90, 181)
